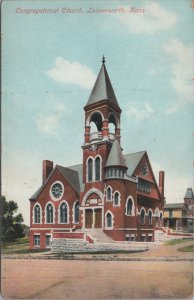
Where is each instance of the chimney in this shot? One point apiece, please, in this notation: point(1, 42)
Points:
point(47, 169)
point(161, 183)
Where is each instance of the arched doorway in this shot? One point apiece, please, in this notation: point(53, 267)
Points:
point(93, 210)
point(93, 218)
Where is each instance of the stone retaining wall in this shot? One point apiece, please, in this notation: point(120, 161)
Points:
point(80, 246)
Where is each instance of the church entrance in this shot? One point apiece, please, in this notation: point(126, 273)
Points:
point(98, 218)
point(93, 218)
point(89, 218)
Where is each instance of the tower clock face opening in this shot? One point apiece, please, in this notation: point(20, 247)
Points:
point(56, 191)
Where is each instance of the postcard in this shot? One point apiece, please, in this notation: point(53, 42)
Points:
point(97, 152)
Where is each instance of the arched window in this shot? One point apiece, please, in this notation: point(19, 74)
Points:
point(142, 217)
point(90, 169)
point(109, 220)
point(161, 219)
point(37, 214)
point(63, 213)
point(49, 213)
point(150, 217)
point(109, 194)
point(76, 212)
point(129, 207)
point(112, 123)
point(111, 127)
point(157, 216)
point(96, 118)
point(116, 199)
point(97, 168)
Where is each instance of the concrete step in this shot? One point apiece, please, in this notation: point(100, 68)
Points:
point(99, 235)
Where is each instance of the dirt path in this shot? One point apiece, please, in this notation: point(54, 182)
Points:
point(56, 279)
point(166, 251)
point(43, 279)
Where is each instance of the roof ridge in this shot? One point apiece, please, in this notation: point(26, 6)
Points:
point(73, 184)
point(143, 151)
point(75, 165)
point(65, 168)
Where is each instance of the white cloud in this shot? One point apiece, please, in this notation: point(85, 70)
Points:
point(20, 179)
point(175, 185)
point(152, 72)
point(154, 19)
point(48, 123)
point(139, 113)
point(73, 73)
point(182, 71)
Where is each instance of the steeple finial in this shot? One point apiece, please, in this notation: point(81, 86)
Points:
point(102, 89)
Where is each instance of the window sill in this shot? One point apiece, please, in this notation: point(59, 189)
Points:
point(64, 223)
point(49, 223)
point(93, 181)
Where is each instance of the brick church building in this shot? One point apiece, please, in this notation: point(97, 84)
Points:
point(113, 193)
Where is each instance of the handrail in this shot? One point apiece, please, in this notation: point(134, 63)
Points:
point(98, 136)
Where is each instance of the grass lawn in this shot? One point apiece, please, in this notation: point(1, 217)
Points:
point(20, 246)
point(186, 249)
point(174, 242)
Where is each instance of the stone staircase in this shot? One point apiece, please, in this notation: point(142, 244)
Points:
point(99, 236)
point(162, 235)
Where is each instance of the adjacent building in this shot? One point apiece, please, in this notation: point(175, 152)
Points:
point(179, 216)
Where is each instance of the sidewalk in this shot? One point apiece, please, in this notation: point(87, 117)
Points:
point(158, 253)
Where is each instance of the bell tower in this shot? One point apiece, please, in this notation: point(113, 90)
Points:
point(102, 126)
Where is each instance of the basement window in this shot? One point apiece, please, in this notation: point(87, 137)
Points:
point(37, 241)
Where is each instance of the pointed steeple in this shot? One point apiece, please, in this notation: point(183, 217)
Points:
point(102, 89)
point(115, 157)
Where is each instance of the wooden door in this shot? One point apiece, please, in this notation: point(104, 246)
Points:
point(98, 218)
point(89, 218)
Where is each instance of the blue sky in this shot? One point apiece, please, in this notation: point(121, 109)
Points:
point(50, 63)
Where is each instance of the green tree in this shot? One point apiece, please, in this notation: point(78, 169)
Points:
point(11, 222)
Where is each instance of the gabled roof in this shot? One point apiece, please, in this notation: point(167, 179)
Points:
point(36, 194)
point(72, 176)
point(137, 157)
point(115, 157)
point(75, 176)
point(102, 89)
point(189, 194)
point(132, 160)
point(79, 170)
